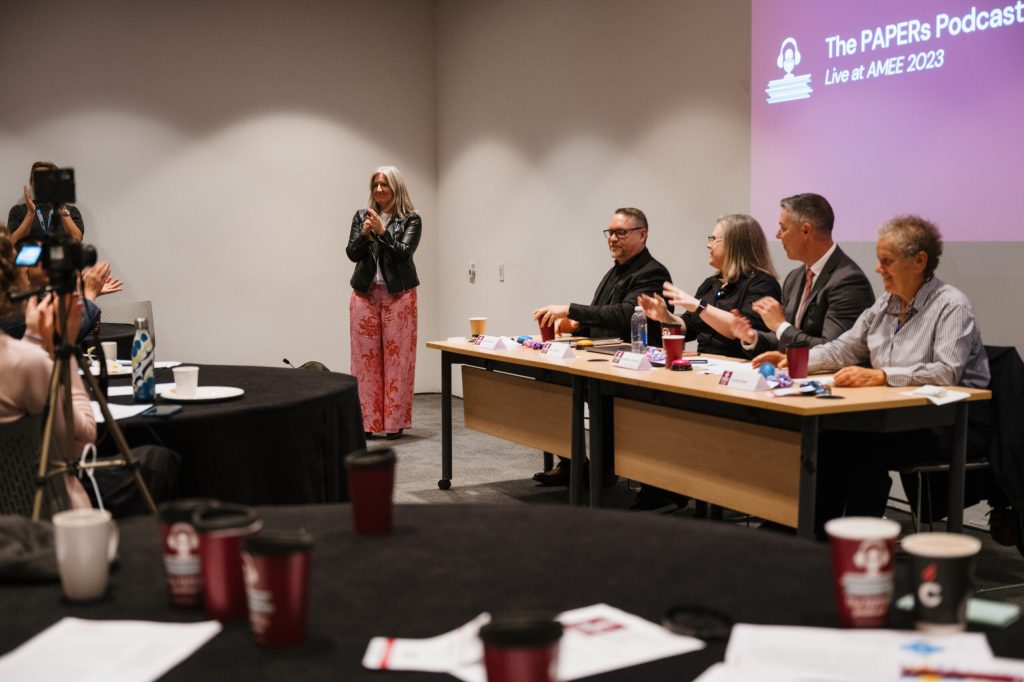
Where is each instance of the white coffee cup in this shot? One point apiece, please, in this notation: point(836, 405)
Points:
point(186, 381)
point(110, 352)
point(86, 543)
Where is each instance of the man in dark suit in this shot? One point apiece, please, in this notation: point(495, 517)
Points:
point(821, 299)
point(635, 272)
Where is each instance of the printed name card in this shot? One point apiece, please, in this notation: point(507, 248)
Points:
point(744, 380)
point(492, 342)
point(557, 351)
point(631, 360)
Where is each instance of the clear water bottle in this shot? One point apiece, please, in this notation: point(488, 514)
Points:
point(143, 385)
point(638, 331)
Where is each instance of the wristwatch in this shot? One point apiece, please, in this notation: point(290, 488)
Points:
point(701, 305)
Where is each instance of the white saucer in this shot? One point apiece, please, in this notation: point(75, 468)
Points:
point(119, 370)
point(205, 394)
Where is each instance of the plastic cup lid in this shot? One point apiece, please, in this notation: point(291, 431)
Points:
point(278, 542)
point(223, 517)
point(177, 511)
point(371, 459)
point(521, 629)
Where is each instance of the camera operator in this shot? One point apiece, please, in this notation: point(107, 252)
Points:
point(28, 220)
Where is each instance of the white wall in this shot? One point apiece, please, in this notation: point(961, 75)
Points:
point(221, 149)
point(551, 115)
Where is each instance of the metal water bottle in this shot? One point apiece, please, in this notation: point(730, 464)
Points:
point(143, 386)
point(638, 331)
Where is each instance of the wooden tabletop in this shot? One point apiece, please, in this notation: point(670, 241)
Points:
point(698, 384)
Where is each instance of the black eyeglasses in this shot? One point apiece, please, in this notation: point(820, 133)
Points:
point(621, 233)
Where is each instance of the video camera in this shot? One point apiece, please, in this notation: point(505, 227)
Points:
point(54, 187)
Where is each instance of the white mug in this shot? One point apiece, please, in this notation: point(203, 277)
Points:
point(86, 543)
point(186, 381)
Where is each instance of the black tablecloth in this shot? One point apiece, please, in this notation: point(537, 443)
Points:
point(122, 334)
point(283, 442)
point(444, 565)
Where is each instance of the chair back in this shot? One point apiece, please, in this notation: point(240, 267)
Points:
point(19, 462)
point(127, 312)
point(1006, 449)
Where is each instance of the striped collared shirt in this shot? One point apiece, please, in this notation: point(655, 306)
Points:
point(938, 344)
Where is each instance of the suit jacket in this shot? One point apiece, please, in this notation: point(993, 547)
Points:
point(616, 296)
point(838, 296)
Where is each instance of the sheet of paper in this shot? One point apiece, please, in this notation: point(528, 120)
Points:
point(120, 391)
point(720, 672)
point(165, 364)
point(833, 655)
point(717, 367)
point(118, 412)
point(105, 650)
point(596, 639)
point(939, 396)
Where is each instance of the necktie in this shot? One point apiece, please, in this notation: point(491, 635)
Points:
point(803, 299)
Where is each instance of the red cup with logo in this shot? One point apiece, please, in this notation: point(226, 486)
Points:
point(181, 550)
point(942, 568)
point(673, 345)
point(521, 647)
point(671, 330)
point(221, 529)
point(547, 332)
point(796, 359)
point(862, 568)
point(276, 569)
point(371, 486)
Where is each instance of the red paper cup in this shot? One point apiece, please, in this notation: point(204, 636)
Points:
point(862, 568)
point(371, 485)
point(276, 568)
point(942, 568)
point(547, 333)
point(221, 530)
point(673, 345)
point(521, 647)
point(796, 360)
point(181, 550)
point(671, 330)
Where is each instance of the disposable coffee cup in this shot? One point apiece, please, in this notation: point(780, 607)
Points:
point(521, 647)
point(221, 529)
point(186, 381)
point(180, 543)
point(671, 329)
point(371, 485)
point(110, 353)
point(547, 333)
point(86, 543)
point(862, 569)
point(477, 326)
point(942, 571)
point(796, 359)
point(276, 569)
point(673, 345)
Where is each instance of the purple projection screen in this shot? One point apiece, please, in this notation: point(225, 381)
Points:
point(890, 107)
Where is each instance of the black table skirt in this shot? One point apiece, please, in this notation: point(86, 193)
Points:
point(122, 334)
point(283, 442)
point(446, 564)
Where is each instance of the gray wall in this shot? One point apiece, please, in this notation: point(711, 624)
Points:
point(221, 149)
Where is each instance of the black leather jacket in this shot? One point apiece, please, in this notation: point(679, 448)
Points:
point(394, 248)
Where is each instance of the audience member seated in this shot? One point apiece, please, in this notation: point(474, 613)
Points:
point(738, 252)
point(821, 299)
point(28, 220)
point(635, 273)
point(920, 331)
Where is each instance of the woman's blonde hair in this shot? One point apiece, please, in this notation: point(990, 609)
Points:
point(403, 202)
point(746, 249)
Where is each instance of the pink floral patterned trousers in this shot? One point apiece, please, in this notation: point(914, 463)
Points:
point(383, 331)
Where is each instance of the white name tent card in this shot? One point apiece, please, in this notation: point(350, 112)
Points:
point(494, 342)
point(631, 360)
point(744, 380)
point(558, 351)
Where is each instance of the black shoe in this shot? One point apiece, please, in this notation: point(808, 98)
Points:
point(394, 436)
point(557, 476)
point(651, 499)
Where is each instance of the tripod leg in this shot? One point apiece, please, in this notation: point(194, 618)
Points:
point(115, 431)
point(44, 453)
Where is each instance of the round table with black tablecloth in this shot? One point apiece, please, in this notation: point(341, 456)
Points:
point(122, 334)
point(445, 564)
point(283, 442)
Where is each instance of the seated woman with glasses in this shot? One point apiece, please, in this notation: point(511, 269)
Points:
point(738, 252)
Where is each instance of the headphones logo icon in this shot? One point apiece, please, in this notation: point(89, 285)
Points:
point(790, 86)
point(788, 59)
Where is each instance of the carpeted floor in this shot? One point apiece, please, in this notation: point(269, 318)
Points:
point(487, 470)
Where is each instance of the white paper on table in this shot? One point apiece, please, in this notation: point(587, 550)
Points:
point(717, 367)
point(121, 391)
point(118, 412)
point(106, 651)
point(166, 364)
point(939, 395)
point(720, 672)
point(596, 639)
point(832, 655)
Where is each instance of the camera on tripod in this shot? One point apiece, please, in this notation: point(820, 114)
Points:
point(62, 256)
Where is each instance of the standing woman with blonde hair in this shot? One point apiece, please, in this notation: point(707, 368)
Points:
point(382, 310)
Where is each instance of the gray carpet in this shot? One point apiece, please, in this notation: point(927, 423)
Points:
point(487, 470)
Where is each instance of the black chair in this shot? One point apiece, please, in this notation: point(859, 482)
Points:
point(19, 461)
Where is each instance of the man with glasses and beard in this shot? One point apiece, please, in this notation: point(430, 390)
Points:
point(635, 272)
